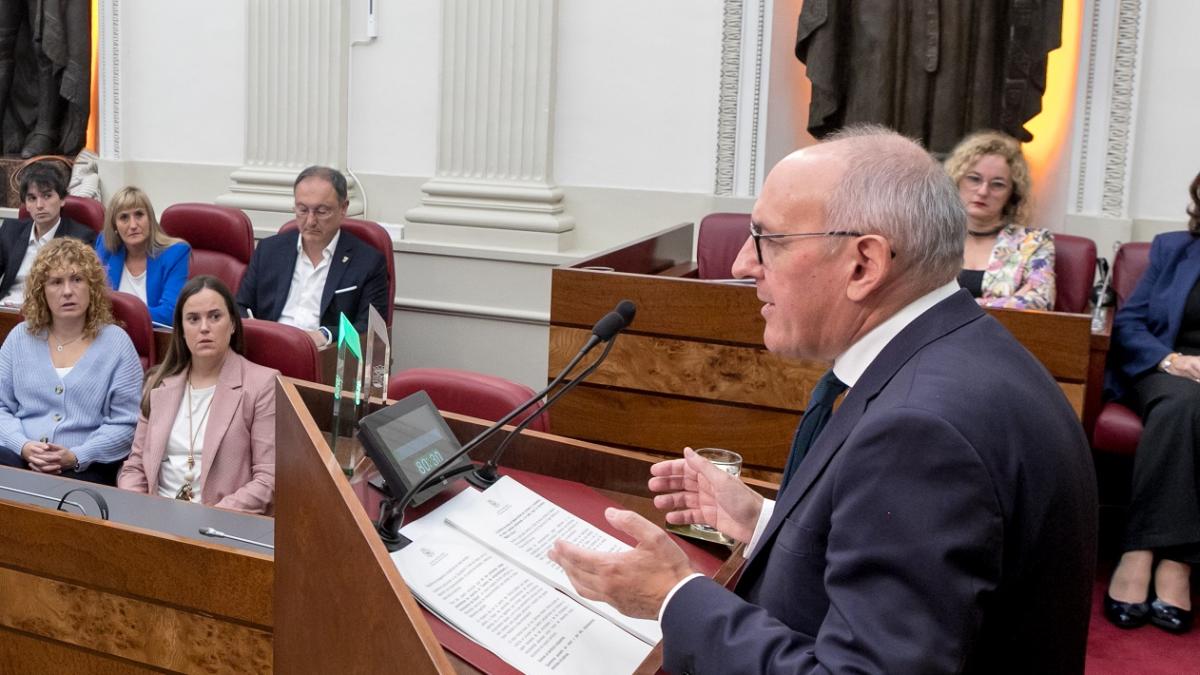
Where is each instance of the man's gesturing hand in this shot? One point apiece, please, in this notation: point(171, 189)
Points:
point(635, 582)
point(698, 492)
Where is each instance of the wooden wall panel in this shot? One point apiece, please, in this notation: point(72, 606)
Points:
point(28, 655)
point(1060, 341)
point(667, 425)
point(137, 630)
point(715, 372)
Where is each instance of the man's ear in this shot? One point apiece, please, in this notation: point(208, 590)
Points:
point(874, 262)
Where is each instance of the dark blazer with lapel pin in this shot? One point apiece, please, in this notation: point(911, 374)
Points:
point(14, 241)
point(944, 521)
point(357, 279)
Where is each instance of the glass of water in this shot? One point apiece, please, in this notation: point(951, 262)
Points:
point(726, 460)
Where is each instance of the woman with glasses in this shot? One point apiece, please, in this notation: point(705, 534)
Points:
point(141, 259)
point(1006, 263)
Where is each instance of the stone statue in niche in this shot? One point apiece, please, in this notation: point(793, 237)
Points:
point(45, 76)
point(931, 69)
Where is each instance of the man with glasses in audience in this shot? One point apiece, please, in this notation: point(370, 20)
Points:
point(308, 276)
point(942, 519)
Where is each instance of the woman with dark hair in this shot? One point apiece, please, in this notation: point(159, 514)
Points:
point(207, 429)
point(1155, 365)
point(141, 259)
point(69, 378)
point(1006, 263)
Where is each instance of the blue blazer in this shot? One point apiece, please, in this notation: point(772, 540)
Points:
point(166, 273)
point(357, 279)
point(924, 532)
point(1145, 328)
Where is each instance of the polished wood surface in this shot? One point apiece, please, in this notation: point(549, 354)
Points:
point(340, 603)
point(692, 369)
point(95, 592)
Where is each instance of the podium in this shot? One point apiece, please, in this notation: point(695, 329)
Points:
point(340, 603)
point(143, 592)
point(692, 369)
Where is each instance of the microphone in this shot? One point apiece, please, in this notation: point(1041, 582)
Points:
point(486, 475)
point(603, 331)
point(217, 534)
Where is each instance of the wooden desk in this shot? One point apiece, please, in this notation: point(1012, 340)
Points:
point(693, 370)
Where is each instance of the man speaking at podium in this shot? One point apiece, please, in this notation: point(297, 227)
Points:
point(942, 521)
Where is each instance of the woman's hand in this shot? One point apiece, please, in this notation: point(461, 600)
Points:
point(47, 457)
point(1186, 366)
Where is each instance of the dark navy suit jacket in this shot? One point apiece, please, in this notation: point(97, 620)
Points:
point(1145, 328)
point(357, 279)
point(944, 521)
point(14, 241)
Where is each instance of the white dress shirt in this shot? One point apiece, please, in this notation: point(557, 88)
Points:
point(16, 294)
point(303, 306)
point(848, 367)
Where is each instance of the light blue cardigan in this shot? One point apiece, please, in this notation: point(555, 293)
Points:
point(96, 404)
point(166, 273)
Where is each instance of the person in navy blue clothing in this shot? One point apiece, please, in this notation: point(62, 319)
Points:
point(1155, 367)
point(141, 259)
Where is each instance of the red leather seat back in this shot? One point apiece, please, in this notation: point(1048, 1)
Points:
point(1129, 265)
point(135, 318)
point(285, 348)
point(373, 234)
point(467, 393)
point(1074, 272)
point(721, 236)
point(1118, 428)
point(83, 210)
point(221, 237)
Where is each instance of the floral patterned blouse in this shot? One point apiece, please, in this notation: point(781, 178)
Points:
point(1020, 274)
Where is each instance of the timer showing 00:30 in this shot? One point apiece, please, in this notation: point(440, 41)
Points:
point(429, 461)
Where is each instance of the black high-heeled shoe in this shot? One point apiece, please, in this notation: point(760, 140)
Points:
point(1169, 617)
point(1126, 614)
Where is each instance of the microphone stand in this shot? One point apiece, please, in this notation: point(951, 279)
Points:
point(487, 475)
point(391, 513)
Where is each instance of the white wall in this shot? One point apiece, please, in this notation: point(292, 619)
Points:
point(183, 81)
point(1167, 137)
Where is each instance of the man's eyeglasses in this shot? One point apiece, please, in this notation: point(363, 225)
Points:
point(321, 212)
point(757, 235)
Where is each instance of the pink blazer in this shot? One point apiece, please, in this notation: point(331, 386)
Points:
point(239, 441)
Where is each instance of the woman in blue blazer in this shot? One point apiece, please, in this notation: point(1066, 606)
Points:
point(141, 259)
point(1155, 364)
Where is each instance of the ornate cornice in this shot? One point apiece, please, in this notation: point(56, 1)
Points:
point(1121, 111)
point(731, 66)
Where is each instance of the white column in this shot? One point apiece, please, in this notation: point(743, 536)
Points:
point(494, 184)
point(297, 52)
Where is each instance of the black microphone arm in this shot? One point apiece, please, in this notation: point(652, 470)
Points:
point(486, 475)
point(604, 331)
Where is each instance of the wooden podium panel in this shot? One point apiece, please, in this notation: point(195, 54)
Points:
point(78, 594)
point(692, 369)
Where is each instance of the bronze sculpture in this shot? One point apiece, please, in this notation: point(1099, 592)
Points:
point(45, 76)
point(930, 69)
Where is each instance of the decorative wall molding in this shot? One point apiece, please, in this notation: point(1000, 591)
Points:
point(496, 132)
point(109, 23)
point(296, 99)
point(1108, 104)
point(727, 106)
point(1121, 115)
point(745, 57)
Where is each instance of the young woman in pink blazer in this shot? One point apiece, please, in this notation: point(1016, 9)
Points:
point(207, 427)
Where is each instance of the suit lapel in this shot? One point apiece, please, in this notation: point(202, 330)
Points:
point(1186, 274)
point(166, 397)
point(282, 283)
point(941, 319)
point(227, 398)
point(16, 253)
point(342, 257)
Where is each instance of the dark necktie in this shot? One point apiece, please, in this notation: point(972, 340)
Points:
point(820, 407)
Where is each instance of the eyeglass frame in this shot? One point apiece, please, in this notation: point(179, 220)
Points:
point(757, 235)
point(302, 216)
